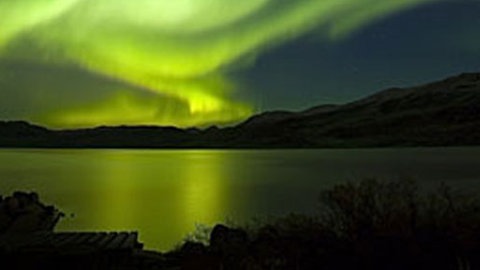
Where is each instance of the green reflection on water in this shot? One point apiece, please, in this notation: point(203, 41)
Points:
point(162, 194)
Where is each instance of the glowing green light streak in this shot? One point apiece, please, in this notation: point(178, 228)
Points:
point(17, 16)
point(179, 49)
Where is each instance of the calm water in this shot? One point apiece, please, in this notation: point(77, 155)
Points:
point(163, 194)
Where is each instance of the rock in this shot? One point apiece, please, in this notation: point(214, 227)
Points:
point(193, 249)
point(225, 240)
point(23, 212)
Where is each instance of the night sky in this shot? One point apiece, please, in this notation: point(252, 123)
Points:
point(82, 63)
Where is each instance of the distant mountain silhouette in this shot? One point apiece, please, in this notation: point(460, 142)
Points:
point(444, 113)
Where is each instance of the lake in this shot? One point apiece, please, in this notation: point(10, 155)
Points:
point(163, 194)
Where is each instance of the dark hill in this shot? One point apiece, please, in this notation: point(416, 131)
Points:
point(440, 113)
point(443, 113)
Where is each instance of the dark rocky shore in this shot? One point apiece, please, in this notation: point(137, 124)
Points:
point(365, 225)
point(23, 213)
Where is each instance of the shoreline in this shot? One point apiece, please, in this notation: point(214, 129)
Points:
point(366, 225)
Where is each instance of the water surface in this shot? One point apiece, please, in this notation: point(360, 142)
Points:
point(164, 193)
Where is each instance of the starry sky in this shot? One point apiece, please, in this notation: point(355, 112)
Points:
point(84, 63)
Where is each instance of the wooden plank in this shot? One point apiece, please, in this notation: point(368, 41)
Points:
point(103, 243)
point(70, 242)
point(130, 242)
point(96, 238)
point(116, 243)
point(63, 239)
point(82, 238)
point(77, 245)
point(56, 237)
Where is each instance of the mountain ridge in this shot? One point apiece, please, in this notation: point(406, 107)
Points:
point(441, 113)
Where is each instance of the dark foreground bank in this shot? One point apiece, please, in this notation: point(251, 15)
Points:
point(365, 225)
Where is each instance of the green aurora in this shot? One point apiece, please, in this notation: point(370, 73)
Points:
point(155, 62)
